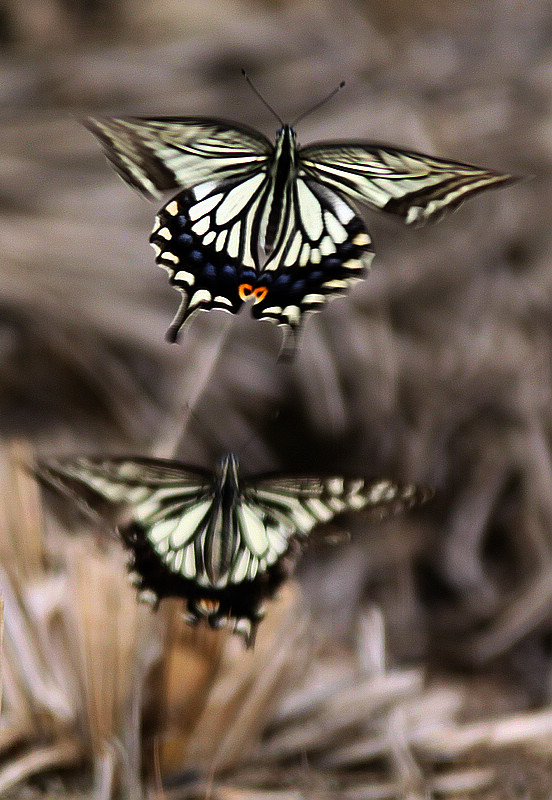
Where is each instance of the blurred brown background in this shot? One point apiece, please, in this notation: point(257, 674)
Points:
point(436, 369)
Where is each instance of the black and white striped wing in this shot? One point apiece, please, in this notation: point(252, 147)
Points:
point(298, 505)
point(323, 251)
point(183, 541)
point(128, 490)
point(416, 187)
point(222, 551)
point(156, 155)
point(186, 540)
point(174, 515)
point(212, 242)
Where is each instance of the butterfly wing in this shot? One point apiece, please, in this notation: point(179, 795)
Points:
point(325, 249)
point(186, 538)
point(417, 187)
point(157, 506)
point(205, 239)
point(140, 490)
point(155, 155)
point(297, 505)
point(209, 241)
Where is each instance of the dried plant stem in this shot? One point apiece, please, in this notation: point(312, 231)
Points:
point(1, 647)
point(342, 711)
point(516, 729)
point(257, 704)
point(104, 774)
point(522, 614)
point(25, 652)
point(201, 364)
point(62, 753)
point(241, 700)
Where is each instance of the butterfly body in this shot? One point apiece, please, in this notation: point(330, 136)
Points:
point(272, 223)
point(222, 542)
point(213, 587)
point(223, 244)
point(210, 278)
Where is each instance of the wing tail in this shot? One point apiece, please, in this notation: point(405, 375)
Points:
point(179, 319)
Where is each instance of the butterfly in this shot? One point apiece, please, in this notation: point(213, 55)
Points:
point(221, 542)
point(273, 224)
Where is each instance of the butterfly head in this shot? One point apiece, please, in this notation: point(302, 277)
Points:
point(286, 132)
point(227, 472)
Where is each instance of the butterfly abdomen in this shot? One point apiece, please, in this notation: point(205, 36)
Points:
point(221, 544)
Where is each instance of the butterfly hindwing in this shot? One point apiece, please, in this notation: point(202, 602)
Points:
point(329, 251)
point(204, 239)
point(207, 270)
point(414, 186)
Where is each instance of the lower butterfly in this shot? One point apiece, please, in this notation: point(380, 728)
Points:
point(221, 542)
point(272, 224)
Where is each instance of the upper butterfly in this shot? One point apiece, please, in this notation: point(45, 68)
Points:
point(222, 542)
point(271, 223)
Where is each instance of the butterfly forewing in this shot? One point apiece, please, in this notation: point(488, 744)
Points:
point(417, 187)
point(307, 502)
point(156, 155)
point(152, 489)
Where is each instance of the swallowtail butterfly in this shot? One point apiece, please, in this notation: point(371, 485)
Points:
point(272, 223)
point(221, 542)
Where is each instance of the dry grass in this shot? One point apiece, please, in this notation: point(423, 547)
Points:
point(128, 702)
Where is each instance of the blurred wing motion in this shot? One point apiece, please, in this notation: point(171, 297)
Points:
point(156, 155)
point(221, 543)
point(417, 187)
point(272, 224)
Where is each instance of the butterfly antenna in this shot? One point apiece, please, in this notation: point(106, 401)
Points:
point(212, 440)
point(261, 98)
point(242, 448)
point(320, 103)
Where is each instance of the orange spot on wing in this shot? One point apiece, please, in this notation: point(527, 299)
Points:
point(246, 291)
point(260, 293)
